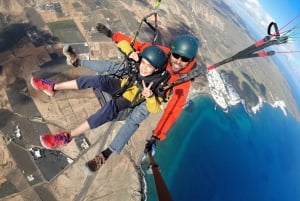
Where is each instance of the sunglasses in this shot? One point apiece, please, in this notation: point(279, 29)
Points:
point(183, 59)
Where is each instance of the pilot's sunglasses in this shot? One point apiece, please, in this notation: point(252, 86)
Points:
point(183, 59)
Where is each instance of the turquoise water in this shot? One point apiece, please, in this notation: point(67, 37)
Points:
point(215, 156)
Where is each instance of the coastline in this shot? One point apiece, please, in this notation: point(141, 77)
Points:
point(141, 175)
point(277, 104)
point(196, 94)
point(250, 147)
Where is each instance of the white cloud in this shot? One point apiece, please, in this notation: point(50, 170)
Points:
point(254, 12)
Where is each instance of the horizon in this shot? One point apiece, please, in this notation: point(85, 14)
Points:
point(258, 14)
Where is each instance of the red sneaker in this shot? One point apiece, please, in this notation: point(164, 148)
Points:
point(51, 141)
point(45, 85)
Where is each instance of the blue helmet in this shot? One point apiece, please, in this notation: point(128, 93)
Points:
point(155, 56)
point(185, 45)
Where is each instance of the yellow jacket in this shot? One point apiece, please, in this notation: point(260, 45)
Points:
point(153, 103)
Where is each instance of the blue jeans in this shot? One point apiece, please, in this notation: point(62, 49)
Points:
point(138, 113)
point(132, 122)
point(104, 66)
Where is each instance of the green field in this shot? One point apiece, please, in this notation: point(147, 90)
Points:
point(66, 31)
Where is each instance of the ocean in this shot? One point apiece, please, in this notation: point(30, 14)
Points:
point(210, 155)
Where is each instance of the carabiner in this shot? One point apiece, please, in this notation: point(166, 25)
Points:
point(276, 31)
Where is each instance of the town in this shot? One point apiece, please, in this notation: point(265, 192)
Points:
point(221, 90)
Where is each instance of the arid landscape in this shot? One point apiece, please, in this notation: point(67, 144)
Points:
point(34, 113)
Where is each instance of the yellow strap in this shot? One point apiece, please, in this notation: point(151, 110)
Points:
point(157, 4)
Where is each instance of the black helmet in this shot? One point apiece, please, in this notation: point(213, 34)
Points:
point(155, 56)
point(185, 45)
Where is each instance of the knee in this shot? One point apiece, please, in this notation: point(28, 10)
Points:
point(137, 117)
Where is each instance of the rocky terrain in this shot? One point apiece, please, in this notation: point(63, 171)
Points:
point(221, 34)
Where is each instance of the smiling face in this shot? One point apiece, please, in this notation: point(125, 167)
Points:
point(178, 63)
point(146, 68)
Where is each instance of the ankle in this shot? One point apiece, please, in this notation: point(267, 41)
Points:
point(53, 87)
point(69, 137)
point(76, 62)
point(106, 153)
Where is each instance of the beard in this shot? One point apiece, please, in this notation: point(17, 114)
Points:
point(176, 67)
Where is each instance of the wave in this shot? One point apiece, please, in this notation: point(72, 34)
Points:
point(279, 103)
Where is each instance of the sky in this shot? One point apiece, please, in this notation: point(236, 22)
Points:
point(261, 12)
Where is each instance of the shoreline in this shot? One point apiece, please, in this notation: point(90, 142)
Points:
point(141, 176)
point(195, 94)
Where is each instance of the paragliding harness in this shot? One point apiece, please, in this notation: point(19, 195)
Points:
point(131, 67)
point(159, 80)
point(154, 27)
point(130, 70)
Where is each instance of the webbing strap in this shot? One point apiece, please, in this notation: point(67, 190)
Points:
point(153, 27)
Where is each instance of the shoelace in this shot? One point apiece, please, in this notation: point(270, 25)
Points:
point(99, 160)
point(47, 81)
point(61, 137)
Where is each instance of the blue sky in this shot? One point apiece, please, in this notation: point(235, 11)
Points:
point(281, 11)
point(261, 12)
point(264, 11)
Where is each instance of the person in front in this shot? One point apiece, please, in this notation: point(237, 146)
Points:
point(181, 60)
point(132, 90)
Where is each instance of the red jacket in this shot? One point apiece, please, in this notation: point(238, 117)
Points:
point(180, 92)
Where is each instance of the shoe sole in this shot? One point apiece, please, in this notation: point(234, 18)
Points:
point(45, 146)
point(87, 170)
point(46, 92)
point(42, 143)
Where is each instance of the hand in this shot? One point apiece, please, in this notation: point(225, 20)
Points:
point(103, 29)
point(147, 92)
point(150, 146)
point(134, 56)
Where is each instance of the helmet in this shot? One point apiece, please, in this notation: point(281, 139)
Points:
point(185, 45)
point(155, 56)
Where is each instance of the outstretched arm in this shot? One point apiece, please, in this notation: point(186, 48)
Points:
point(173, 110)
point(137, 46)
point(118, 36)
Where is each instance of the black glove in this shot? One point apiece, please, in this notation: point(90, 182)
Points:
point(103, 29)
point(151, 145)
